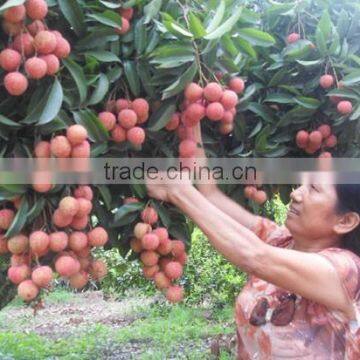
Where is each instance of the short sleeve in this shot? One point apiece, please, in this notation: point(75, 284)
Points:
point(271, 233)
point(347, 266)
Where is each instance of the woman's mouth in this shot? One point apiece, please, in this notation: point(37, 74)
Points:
point(294, 211)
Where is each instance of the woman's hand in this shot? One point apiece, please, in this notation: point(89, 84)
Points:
point(164, 184)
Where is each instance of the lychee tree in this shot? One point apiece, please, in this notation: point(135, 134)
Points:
point(294, 69)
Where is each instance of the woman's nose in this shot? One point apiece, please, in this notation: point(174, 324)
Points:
point(296, 195)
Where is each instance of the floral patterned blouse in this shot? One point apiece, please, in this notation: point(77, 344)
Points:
point(315, 332)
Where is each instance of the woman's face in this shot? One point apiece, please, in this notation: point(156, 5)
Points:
point(312, 211)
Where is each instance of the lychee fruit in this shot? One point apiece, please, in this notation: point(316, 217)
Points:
point(326, 81)
point(127, 118)
point(122, 104)
point(6, 218)
point(229, 99)
point(60, 146)
point(15, 14)
point(325, 130)
point(161, 233)
point(118, 134)
point(125, 26)
point(193, 114)
point(18, 244)
point(325, 154)
point(315, 139)
point(42, 276)
point(173, 270)
point(42, 149)
point(161, 280)
point(98, 236)
point(215, 111)
point(62, 49)
point(79, 280)
point(149, 215)
point(141, 107)
point(127, 13)
point(18, 274)
point(58, 241)
point(84, 191)
point(331, 141)
point(78, 241)
point(302, 139)
point(213, 92)
point(228, 117)
point(85, 207)
point(36, 9)
point(249, 191)
point(35, 67)
point(237, 84)
point(35, 27)
point(226, 129)
point(165, 247)
point(149, 257)
point(12, 29)
point(39, 242)
point(150, 241)
point(108, 119)
point(79, 223)
point(60, 219)
point(178, 247)
point(67, 266)
point(344, 107)
point(45, 42)
point(141, 229)
point(187, 148)
point(174, 122)
point(98, 270)
point(193, 92)
point(10, 60)
point(260, 197)
point(135, 245)
point(82, 150)
point(136, 135)
point(23, 43)
point(15, 83)
point(27, 290)
point(150, 271)
point(292, 38)
point(175, 294)
point(76, 134)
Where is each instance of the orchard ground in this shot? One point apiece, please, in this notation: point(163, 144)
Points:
point(86, 326)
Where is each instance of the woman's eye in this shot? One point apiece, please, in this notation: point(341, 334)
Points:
point(314, 188)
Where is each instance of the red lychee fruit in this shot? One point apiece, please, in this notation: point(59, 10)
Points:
point(18, 274)
point(331, 141)
point(149, 215)
point(79, 280)
point(60, 146)
point(125, 27)
point(10, 60)
point(76, 134)
point(35, 27)
point(344, 107)
point(122, 104)
point(182, 258)
point(226, 129)
point(175, 294)
point(130, 200)
point(141, 229)
point(6, 218)
point(174, 122)
point(15, 83)
point(41, 188)
point(213, 92)
point(12, 29)
point(42, 276)
point(136, 136)
point(292, 38)
point(325, 130)
point(23, 259)
point(215, 111)
point(42, 149)
point(39, 242)
point(79, 223)
point(127, 118)
point(15, 14)
point(135, 245)
point(161, 280)
point(326, 81)
point(62, 49)
point(237, 84)
point(150, 271)
point(325, 154)
point(18, 244)
point(27, 290)
point(118, 134)
point(187, 148)
point(85, 207)
point(165, 247)
point(67, 266)
point(315, 139)
point(23, 43)
point(98, 270)
point(163, 262)
point(84, 263)
point(173, 270)
point(58, 241)
point(178, 247)
point(149, 257)
point(45, 42)
point(84, 191)
point(161, 233)
point(84, 252)
point(110, 105)
point(108, 119)
point(60, 219)
point(82, 150)
point(260, 197)
point(228, 117)
point(249, 191)
point(193, 92)
point(141, 107)
point(193, 114)
point(35, 67)
point(150, 241)
point(36, 9)
point(78, 241)
point(302, 139)
point(127, 13)
point(98, 236)
point(335, 99)
point(229, 99)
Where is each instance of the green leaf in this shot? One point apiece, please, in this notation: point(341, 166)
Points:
point(195, 26)
point(108, 17)
point(226, 26)
point(163, 213)
point(180, 84)
point(19, 220)
point(320, 42)
point(280, 98)
point(96, 130)
point(216, 20)
point(298, 50)
point(48, 108)
point(308, 102)
point(140, 36)
point(127, 209)
point(310, 62)
point(151, 10)
point(139, 190)
point(161, 117)
point(345, 93)
point(325, 25)
point(352, 78)
point(125, 220)
point(103, 56)
point(145, 76)
point(74, 15)
point(261, 110)
point(100, 91)
point(245, 46)
point(132, 77)
point(256, 37)
point(110, 5)
point(173, 27)
point(7, 122)
point(10, 3)
point(105, 195)
point(36, 210)
point(77, 73)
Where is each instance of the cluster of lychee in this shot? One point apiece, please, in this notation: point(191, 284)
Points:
point(67, 251)
point(126, 15)
point(315, 140)
point(344, 107)
point(163, 259)
point(123, 118)
point(33, 45)
point(251, 192)
point(212, 102)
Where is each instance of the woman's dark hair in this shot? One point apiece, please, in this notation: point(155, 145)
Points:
point(349, 200)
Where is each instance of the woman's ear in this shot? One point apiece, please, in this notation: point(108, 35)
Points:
point(347, 223)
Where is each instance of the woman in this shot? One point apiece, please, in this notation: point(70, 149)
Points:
point(302, 299)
